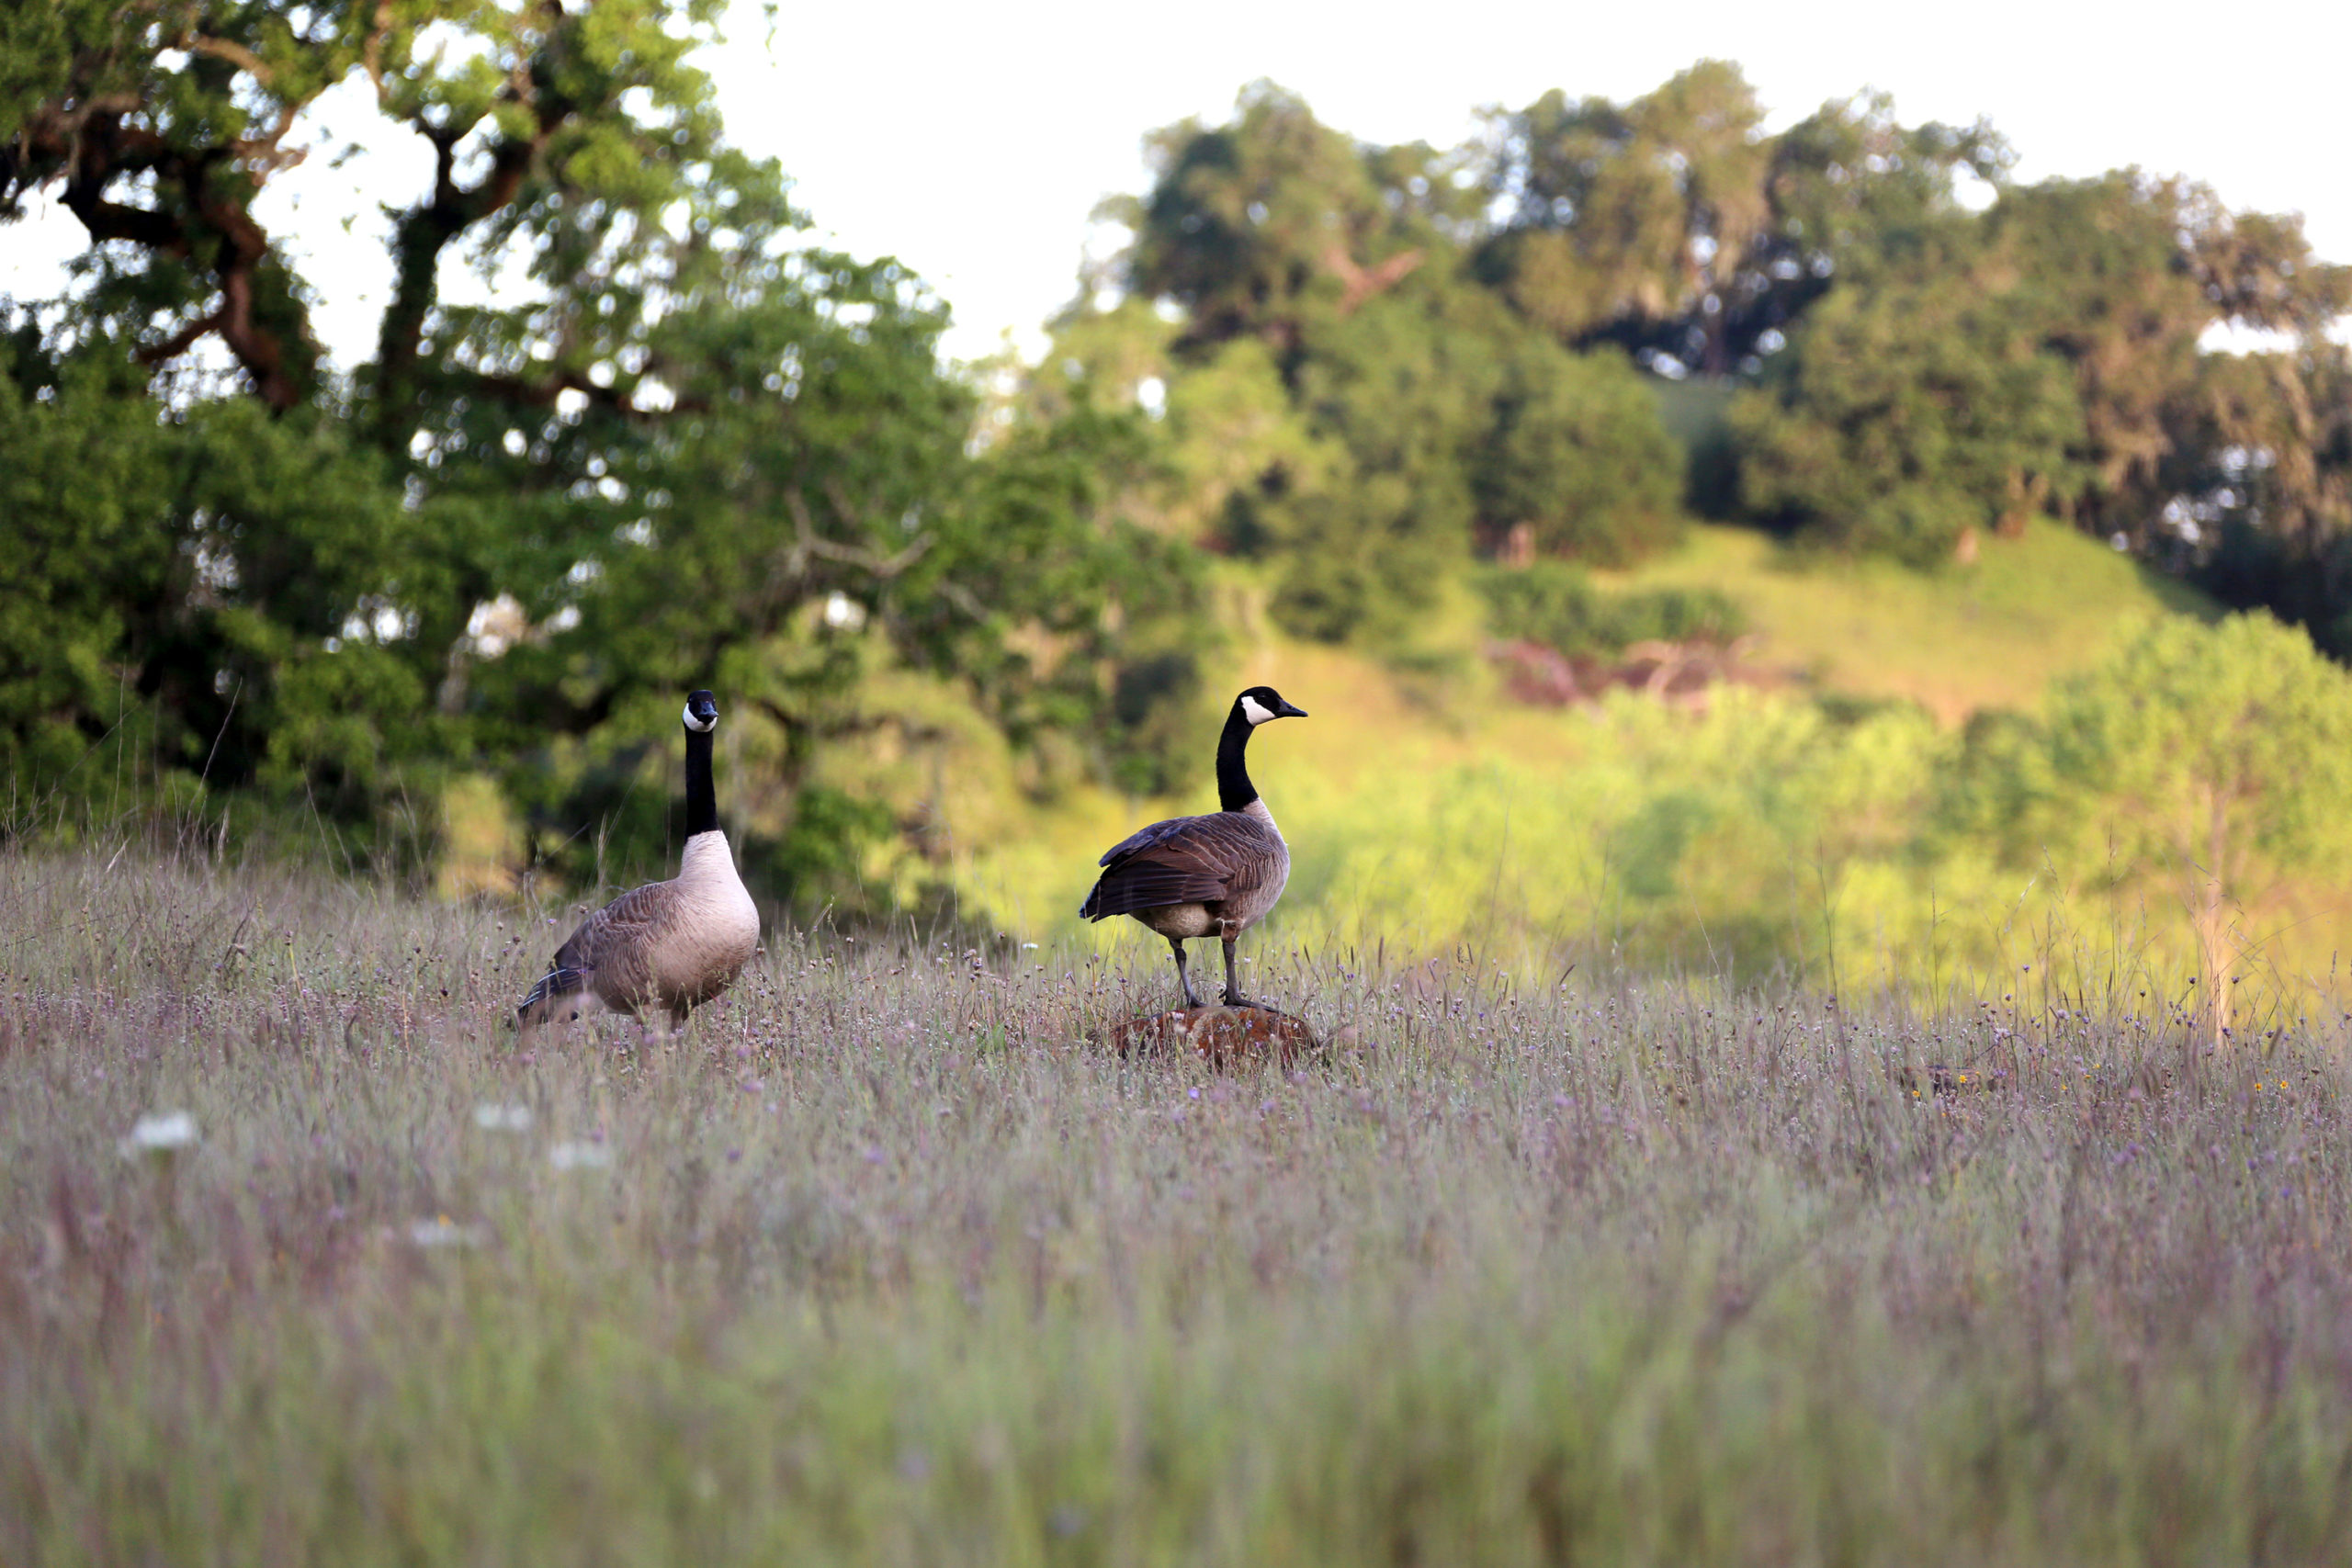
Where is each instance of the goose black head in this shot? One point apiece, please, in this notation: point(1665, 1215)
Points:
point(702, 712)
point(1260, 704)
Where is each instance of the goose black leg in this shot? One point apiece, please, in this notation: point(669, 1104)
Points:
point(1233, 997)
point(1184, 976)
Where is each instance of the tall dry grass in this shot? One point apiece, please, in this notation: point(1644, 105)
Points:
point(885, 1264)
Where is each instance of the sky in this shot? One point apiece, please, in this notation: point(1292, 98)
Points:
point(973, 141)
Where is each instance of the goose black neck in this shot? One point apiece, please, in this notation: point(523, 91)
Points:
point(1234, 789)
point(702, 800)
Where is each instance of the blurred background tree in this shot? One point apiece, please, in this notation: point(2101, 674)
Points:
point(2204, 763)
point(1393, 400)
point(1902, 417)
point(683, 446)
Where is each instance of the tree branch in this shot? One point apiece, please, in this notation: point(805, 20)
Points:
point(194, 217)
point(235, 53)
point(180, 341)
point(1359, 283)
point(543, 394)
point(808, 542)
point(427, 229)
point(371, 57)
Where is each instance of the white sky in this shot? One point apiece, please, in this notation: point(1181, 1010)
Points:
point(972, 140)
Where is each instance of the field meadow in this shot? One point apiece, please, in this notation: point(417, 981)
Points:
point(883, 1261)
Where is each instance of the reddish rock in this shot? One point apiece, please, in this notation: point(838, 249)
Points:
point(1681, 674)
point(1222, 1036)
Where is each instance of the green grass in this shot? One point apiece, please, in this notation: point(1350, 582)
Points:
point(1991, 635)
point(889, 1264)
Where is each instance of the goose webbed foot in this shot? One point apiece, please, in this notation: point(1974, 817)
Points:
point(1233, 997)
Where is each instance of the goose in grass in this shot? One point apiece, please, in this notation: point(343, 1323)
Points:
point(1212, 875)
point(672, 944)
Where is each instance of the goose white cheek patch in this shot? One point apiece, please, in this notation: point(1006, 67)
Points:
point(1255, 712)
point(701, 725)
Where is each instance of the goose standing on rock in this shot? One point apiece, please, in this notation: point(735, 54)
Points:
point(1212, 875)
point(672, 944)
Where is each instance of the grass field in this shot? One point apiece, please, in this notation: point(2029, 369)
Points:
point(885, 1264)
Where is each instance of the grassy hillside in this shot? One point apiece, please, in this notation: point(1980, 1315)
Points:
point(1429, 814)
point(1989, 635)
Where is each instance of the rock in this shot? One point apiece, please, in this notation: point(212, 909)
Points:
point(1222, 1036)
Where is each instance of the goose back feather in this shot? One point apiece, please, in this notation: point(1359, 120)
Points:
point(1223, 857)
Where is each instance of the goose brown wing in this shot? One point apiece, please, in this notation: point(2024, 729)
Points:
point(1186, 860)
point(621, 926)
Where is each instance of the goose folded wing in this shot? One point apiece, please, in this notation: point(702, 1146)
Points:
point(1188, 860)
point(619, 929)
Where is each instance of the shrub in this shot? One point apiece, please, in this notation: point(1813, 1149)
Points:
point(1578, 454)
point(1557, 605)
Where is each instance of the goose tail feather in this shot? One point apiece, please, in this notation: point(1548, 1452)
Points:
point(548, 997)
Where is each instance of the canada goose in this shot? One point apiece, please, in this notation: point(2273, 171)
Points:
point(1212, 875)
point(673, 944)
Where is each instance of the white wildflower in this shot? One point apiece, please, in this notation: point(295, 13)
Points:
point(493, 1118)
point(160, 1135)
point(580, 1157)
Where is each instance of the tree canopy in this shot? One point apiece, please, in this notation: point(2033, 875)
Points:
point(683, 446)
point(1926, 352)
point(675, 442)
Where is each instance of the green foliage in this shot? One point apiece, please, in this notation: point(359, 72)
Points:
point(2046, 355)
point(1343, 400)
point(1399, 388)
point(692, 450)
point(1672, 224)
point(2209, 765)
point(79, 488)
point(1854, 837)
point(1856, 195)
point(1943, 369)
point(1623, 210)
point(1577, 453)
point(2260, 473)
point(1410, 432)
point(1697, 415)
point(239, 588)
point(1729, 841)
point(823, 853)
point(1558, 606)
point(1900, 417)
point(2238, 728)
point(1273, 223)
point(2242, 719)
